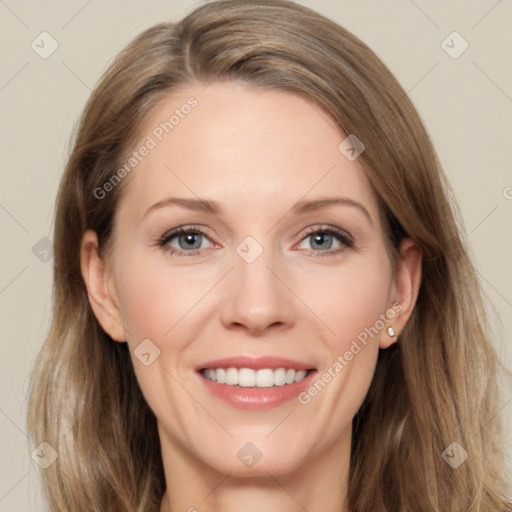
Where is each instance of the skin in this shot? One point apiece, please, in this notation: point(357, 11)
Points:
point(256, 152)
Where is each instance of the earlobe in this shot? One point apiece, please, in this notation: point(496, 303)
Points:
point(101, 289)
point(407, 280)
point(388, 336)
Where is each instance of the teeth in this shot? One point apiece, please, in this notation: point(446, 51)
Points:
point(231, 376)
point(249, 378)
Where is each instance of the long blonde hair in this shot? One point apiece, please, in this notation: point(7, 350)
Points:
point(435, 387)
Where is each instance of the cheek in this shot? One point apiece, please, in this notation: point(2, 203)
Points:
point(146, 306)
point(347, 303)
point(160, 303)
point(351, 299)
point(154, 297)
point(351, 302)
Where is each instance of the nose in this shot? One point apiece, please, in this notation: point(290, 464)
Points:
point(257, 298)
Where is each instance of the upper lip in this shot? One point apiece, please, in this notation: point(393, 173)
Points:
point(256, 363)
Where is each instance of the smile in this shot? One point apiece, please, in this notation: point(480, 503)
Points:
point(250, 378)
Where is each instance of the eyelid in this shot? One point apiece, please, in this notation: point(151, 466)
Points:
point(179, 230)
point(344, 238)
point(163, 241)
point(327, 228)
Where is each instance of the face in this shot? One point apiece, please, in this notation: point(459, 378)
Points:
point(250, 278)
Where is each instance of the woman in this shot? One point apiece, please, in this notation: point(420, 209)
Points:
point(261, 295)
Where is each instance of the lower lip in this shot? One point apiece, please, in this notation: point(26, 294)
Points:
point(257, 398)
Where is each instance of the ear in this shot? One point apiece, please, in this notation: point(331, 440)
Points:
point(406, 285)
point(101, 287)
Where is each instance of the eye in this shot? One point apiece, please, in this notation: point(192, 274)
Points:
point(327, 241)
point(190, 241)
point(185, 241)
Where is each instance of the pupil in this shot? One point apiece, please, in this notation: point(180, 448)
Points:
point(190, 241)
point(320, 240)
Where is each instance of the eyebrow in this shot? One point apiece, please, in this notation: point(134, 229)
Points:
point(198, 205)
point(310, 206)
point(301, 207)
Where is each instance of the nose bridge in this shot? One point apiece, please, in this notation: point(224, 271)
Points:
point(256, 297)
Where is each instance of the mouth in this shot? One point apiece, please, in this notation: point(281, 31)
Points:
point(249, 378)
point(255, 383)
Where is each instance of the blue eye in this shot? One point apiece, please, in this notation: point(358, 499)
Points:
point(189, 241)
point(321, 241)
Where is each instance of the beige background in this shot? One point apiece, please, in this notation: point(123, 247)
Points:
point(465, 103)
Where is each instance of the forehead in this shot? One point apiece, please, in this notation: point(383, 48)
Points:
point(246, 147)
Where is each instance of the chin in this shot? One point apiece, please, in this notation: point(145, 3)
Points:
point(254, 459)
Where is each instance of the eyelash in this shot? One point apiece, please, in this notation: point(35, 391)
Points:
point(342, 236)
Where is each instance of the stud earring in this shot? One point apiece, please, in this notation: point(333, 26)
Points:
point(391, 332)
